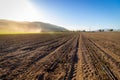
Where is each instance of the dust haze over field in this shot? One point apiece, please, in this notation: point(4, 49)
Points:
point(17, 27)
point(27, 27)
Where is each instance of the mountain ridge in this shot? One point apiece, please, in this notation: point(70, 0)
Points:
point(28, 27)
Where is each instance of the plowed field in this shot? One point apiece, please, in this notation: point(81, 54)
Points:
point(61, 56)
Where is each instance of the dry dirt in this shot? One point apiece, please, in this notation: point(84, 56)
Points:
point(63, 56)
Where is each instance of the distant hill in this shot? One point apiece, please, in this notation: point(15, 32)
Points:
point(48, 27)
point(7, 26)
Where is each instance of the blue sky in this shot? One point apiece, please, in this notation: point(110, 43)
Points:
point(82, 14)
point(71, 14)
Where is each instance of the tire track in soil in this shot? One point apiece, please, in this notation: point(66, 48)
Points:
point(103, 70)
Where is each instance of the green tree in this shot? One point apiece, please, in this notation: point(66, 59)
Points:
point(110, 30)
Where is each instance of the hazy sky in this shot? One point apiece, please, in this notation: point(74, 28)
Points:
point(71, 14)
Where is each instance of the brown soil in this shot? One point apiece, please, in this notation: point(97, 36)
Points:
point(64, 56)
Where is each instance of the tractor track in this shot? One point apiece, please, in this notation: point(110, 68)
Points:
point(99, 65)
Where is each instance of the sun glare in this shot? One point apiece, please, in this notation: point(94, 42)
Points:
point(19, 10)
